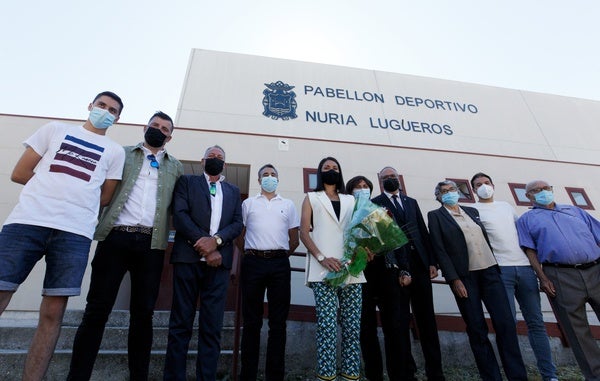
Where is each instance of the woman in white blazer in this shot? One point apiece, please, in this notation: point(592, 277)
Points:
point(328, 211)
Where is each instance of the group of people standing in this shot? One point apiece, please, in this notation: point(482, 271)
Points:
point(488, 256)
point(70, 173)
point(486, 253)
point(391, 282)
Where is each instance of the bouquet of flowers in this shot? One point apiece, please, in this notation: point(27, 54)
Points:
point(372, 228)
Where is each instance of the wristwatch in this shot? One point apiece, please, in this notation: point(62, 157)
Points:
point(320, 258)
point(218, 239)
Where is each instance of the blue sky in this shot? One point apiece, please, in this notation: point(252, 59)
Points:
point(56, 55)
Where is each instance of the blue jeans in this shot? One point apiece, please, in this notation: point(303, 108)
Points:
point(66, 255)
point(521, 282)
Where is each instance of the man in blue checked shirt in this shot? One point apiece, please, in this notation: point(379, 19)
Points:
point(561, 242)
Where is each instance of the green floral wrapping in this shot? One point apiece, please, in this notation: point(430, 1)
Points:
point(371, 227)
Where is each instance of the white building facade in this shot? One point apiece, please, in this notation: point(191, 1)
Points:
point(292, 114)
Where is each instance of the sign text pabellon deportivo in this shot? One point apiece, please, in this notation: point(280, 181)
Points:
point(396, 123)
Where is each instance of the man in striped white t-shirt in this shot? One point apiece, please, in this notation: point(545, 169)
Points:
point(68, 172)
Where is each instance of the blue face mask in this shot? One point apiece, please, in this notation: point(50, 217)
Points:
point(544, 197)
point(362, 193)
point(101, 119)
point(269, 183)
point(450, 198)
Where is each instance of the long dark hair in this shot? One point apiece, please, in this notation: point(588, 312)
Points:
point(340, 184)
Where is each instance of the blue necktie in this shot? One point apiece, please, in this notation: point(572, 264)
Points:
point(213, 189)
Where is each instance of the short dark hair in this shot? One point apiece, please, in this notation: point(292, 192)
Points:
point(112, 95)
point(267, 166)
point(478, 175)
point(340, 184)
point(353, 182)
point(162, 115)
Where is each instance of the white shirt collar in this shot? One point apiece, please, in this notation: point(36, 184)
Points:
point(277, 196)
point(221, 179)
point(390, 195)
point(147, 151)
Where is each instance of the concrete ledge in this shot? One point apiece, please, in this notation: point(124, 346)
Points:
point(110, 366)
point(300, 350)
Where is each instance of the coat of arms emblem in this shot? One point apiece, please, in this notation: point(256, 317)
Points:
point(279, 101)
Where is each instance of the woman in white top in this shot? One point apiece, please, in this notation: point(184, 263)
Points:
point(328, 211)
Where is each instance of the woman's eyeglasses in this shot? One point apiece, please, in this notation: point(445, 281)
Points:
point(451, 189)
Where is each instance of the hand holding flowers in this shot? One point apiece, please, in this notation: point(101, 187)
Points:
point(371, 232)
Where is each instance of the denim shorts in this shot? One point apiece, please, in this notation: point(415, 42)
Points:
point(66, 254)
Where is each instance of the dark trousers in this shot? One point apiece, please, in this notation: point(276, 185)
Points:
point(486, 285)
point(118, 253)
point(257, 276)
point(574, 289)
point(383, 290)
point(421, 300)
point(190, 281)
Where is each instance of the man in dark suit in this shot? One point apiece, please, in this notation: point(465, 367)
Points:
point(385, 289)
point(207, 217)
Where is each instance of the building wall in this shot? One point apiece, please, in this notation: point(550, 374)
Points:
point(421, 170)
point(514, 136)
point(226, 91)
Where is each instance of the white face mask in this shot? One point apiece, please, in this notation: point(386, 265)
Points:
point(358, 193)
point(101, 118)
point(485, 191)
point(269, 183)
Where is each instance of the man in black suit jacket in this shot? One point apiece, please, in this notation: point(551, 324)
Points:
point(384, 289)
point(207, 217)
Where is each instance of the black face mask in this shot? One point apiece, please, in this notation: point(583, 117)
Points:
point(391, 185)
point(330, 177)
point(213, 166)
point(154, 137)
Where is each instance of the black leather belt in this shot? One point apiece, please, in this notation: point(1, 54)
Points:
point(134, 229)
point(581, 266)
point(267, 253)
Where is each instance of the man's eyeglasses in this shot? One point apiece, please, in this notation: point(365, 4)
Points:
point(444, 191)
point(153, 161)
point(538, 190)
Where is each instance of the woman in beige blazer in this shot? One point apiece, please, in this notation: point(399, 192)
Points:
point(328, 211)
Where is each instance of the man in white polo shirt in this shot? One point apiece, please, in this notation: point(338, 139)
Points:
point(271, 235)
